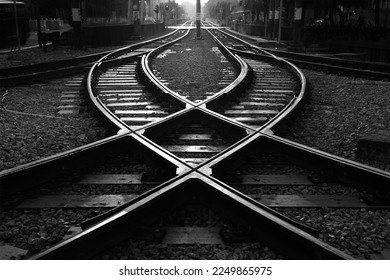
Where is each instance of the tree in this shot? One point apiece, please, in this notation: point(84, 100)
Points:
point(255, 7)
point(334, 7)
point(219, 8)
point(174, 10)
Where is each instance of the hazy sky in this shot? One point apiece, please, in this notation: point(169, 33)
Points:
point(194, 1)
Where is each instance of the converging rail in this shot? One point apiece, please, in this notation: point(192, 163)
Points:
point(217, 153)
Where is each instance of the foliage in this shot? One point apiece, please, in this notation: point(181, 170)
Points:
point(223, 8)
point(214, 8)
point(174, 9)
point(333, 7)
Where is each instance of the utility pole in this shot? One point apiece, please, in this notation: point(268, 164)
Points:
point(297, 22)
point(198, 17)
point(387, 12)
point(266, 15)
point(17, 25)
point(129, 8)
point(166, 16)
point(38, 16)
point(271, 19)
point(76, 20)
point(141, 7)
point(276, 20)
point(280, 20)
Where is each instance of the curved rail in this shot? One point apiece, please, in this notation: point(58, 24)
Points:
point(196, 184)
point(201, 183)
point(36, 72)
point(124, 54)
point(153, 79)
point(294, 103)
point(244, 78)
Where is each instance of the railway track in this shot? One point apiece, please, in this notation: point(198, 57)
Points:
point(372, 70)
point(197, 170)
point(365, 69)
point(12, 76)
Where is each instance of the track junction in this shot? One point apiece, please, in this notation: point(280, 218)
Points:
point(174, 154)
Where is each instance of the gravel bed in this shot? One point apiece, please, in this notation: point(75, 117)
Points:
point(32, 127)
point(320, 189)
point(274, 164)
point(190, 216)
point(37, 55)
point(360, 233)
point(98, 189)
point(37, 230)
point(200, 70)
point(90, 189)
point(143, 250)
point(339, 111)
point(69, 184)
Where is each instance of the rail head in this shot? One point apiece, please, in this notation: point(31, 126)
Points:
point(295, 102)
point(278, 233)
point(243, 78)
point(163, 89)
point(112, 57)
point(107, 114)
point(291, 107)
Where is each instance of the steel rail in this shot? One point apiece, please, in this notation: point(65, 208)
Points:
point(55, 73)
point(34, 173)
point(31, 174)
point(202, 183)
point(51, 65)
point(173, 191)
point(342, 69)
point(108, 115)
point(91, 58)
point(379, 68)
point(210, 178)
point(31, 73)
point(160, 89)
point(242, 77)
point(163, 89)
point(336, 65)
point(266, 227)
point(347, 171)
point(294, 103)
point(131, 48)
point(288, 110)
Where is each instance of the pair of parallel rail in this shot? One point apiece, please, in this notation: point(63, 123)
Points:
point(248, 110)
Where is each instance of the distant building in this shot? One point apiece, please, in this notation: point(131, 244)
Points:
point(100, 11)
